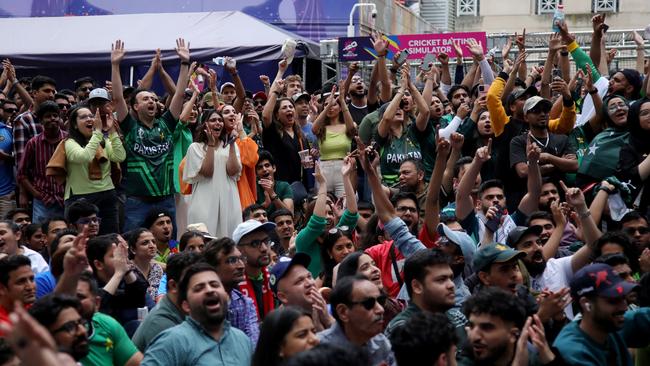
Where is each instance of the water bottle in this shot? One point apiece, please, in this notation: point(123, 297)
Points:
point(558, 17)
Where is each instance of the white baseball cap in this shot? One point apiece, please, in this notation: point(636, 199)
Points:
point(248, 227)
point(99, 93)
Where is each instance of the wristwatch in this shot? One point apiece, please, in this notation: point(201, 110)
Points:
point(274, 197)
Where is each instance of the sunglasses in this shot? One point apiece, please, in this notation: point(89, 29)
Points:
point(64, 106)
point(255, 244)
point(86, 88)
point(258, 102)
point(370, 302)
point(342, 229)
point(10, 110)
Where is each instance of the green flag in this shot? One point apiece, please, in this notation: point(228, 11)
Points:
point(601, 157)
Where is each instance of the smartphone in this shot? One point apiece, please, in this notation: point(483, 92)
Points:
point(557, 73)
point(373, 152)
point(482, 90)
point(428, 59)
point(605, 28)
point(493, 223)
point(403, 55)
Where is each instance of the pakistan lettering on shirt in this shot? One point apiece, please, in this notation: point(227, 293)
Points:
point(395, 152)
point(149, 156)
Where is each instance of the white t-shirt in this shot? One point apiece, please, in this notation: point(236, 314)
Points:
point(38, 263)
point(557, 275)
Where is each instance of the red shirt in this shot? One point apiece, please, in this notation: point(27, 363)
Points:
point(380, 253)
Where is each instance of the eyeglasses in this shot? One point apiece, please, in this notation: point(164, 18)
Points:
point(644, 113)
point(63, 106)
point(615, 107)
point(370, 302)
point(641, 230)
point(10, 110)
point(88, 220)
point(233, 260)
point(406, 208)
point(255, 244)
point(72, 326)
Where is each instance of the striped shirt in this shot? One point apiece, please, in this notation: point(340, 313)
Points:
point(37, 154)
point(25, 127)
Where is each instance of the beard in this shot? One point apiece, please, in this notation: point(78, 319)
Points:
point(492, 356)
point(78, 349)
point(536, 265)
point(204, 316)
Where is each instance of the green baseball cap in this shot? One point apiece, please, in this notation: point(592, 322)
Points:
point(494, 253)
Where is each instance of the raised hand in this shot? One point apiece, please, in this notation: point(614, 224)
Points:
point(558, 216)
point(75, 260)
point(265, 80)
point(555, 42)
point(611, 54)
point(97, 121)
point(457, 141)
point(533, 151)
point(212, 80)
point(230, 66)
point(353, 68)
point(574, 196)
point(443, 58)
point(538, 338)
point(483, 153)
point(521, 58)
point(598, 23)
point(520, 40)
point(182, 50)
point(443, 146)
point(117, 52)
point(155, 61)
point(283, 65)
point(121, 257)
point(458, 50)
point(277, 86)
point(463, 110)
point(476, 49)
point(318, 175)
point(564, 32)
point(349, 165)
point(505, 50)
point(379, 43)
point(508, 66)
point(404, 78)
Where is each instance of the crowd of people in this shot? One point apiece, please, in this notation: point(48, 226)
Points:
point(489, 214)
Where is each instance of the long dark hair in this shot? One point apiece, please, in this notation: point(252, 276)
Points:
point(73, 129)
point(277, 324)
point(606, 116)
point(328, 263)
point(132, 239)
point(322, 132)
point(200, 134)
point(639, 137)
point(297, 131)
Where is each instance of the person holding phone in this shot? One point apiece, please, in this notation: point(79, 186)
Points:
point(213, 167)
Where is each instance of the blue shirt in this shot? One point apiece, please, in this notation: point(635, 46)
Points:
point(45, 283)
point(7, 176)
point(189, 344)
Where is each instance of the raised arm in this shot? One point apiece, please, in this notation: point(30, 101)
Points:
point(353, 68)
point(383, 128)
point(349, 172)
point(590, 231)
point(239, 86)
point(189, 106)
point(20, 89)
point(267, 112)
point(598, 25)
point(530, 202)
point(147, 79)
point(445, 76)
point(422, 118)
point(380, 43)
point(117, 55)
point(183, 52)
point(520, 40)
point(640, 52)
point(432, 203)
point(554, 45)
point(599, 203)
point(383, 207)
point(553, 243)
point(282, 68)
point(319, 122)
point(457, 141)
point(373, 96)
point(350, 126)
point(464, 202)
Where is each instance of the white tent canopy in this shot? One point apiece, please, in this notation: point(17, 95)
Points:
point(87, 39)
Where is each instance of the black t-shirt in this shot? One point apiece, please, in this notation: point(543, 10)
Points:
point(358, 113)
point(557, 145)
point(285, 153)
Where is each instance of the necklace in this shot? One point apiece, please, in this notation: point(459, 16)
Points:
point(544, 145)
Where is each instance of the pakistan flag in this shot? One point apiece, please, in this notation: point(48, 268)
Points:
point(601, 157)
